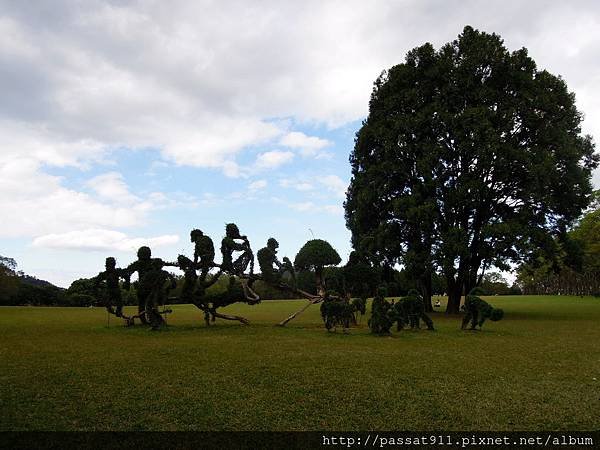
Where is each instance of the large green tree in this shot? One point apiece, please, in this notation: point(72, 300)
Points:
point(470, 156)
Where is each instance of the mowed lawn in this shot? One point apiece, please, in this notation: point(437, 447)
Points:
point(538, 369)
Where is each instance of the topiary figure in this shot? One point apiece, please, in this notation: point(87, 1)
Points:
point(411, 310)
point(478, 310)
point(288, 273)
point(204, 252)
point(381, 320)
point(229, 245)
point(315, 255)
point(267, 258)
point(190, 279)
point(112, 293)
point(336, 310)
point(359, 305)
point(159, 282)
point(142, 266)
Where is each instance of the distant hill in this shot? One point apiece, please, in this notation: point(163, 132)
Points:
point(33, 281)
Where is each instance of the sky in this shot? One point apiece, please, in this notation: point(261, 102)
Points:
point(130, 123)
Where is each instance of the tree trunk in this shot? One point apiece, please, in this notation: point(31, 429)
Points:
point(304, 308)
point(425, 283)
point(454, 294)
point(320, 283)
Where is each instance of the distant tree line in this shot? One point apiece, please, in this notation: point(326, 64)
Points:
point(569, 264)
point(19, 289)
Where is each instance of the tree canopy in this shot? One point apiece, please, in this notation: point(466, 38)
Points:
point(315, 255)
point(469, 158)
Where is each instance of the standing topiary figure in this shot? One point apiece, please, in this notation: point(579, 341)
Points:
point(315, 255)
point(148, 293)
point(142, 266)
point(159, 282)
point(112, 292)
point(381, 317)
point(478, 310)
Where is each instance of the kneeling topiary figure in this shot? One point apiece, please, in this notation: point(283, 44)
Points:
point(478, 310)
point(411, 310)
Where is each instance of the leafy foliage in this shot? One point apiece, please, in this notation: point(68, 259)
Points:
point(381, 320)
point(568, 264)
point(316, 253)
point(336, 311)
point(470, 156)
point(410, 310)
point(478, 310)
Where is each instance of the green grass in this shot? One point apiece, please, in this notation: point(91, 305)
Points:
point(538, 369)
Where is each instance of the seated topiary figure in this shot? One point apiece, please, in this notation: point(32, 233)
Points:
point(288, 272)
point(229, 245)
point(204, 252)
point(381, 320)
point(478, 310)
point(190, 278)
point(411, 310)
point(315, 255)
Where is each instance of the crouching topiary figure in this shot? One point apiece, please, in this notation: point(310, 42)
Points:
point(478, 310)
point(411, 310)
point(336, 311)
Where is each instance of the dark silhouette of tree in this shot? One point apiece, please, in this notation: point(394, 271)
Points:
point(9, 281)
point(315, 255)
point(470, 156)
point(568, 264)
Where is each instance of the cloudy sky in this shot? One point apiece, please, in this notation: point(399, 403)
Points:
point(129, 123)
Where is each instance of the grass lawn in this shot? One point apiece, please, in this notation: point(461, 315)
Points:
point(538, 369)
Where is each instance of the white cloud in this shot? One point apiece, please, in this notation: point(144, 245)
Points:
point(111, 186)
point(202, 82)
point(257, 185)
point(335, 185)
point(100, 240)
point(273, 159)
point(307, 145)
point(303, 206)
point(35, 203)
point(297, 184)
point(309, 206)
